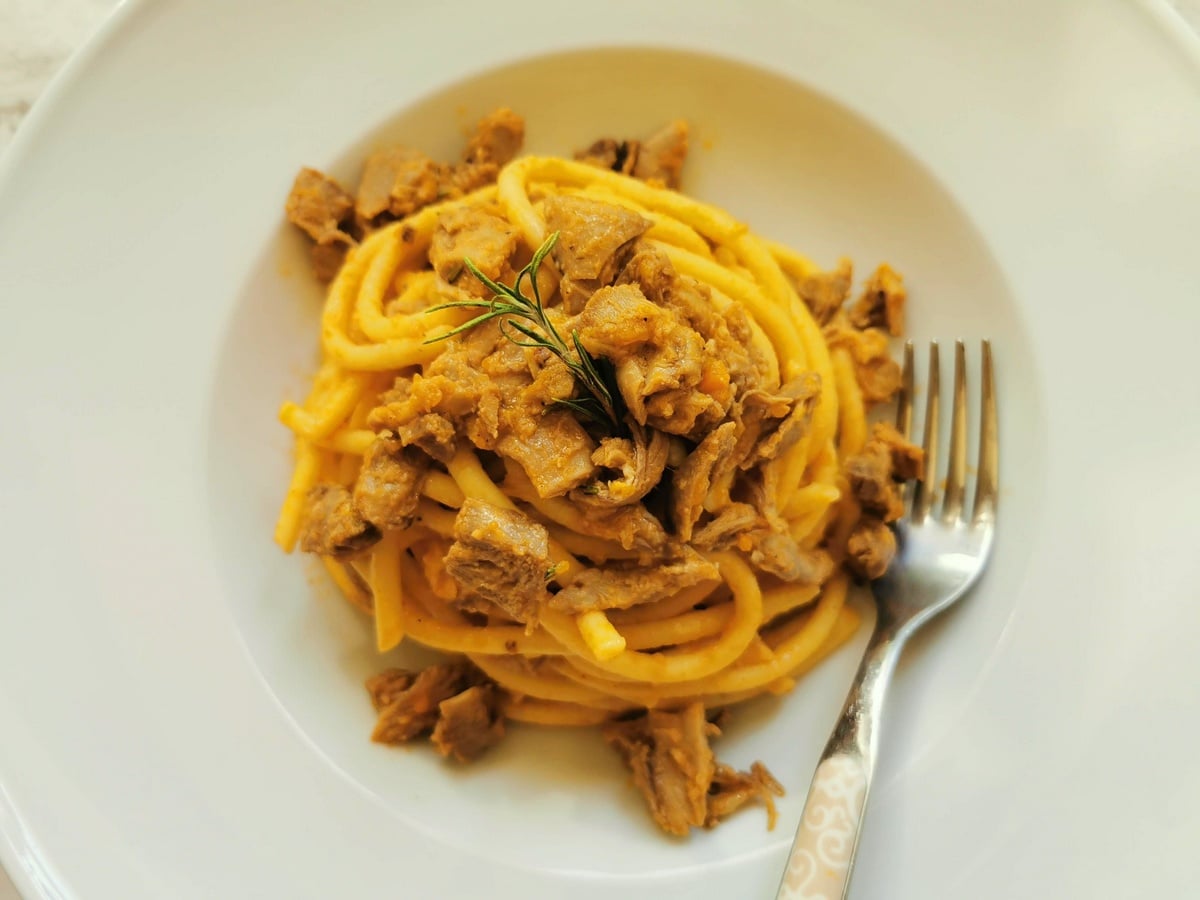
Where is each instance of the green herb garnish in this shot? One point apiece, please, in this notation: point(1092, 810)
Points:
point(526, 316)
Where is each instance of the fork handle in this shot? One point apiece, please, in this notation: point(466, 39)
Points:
point(822, 856)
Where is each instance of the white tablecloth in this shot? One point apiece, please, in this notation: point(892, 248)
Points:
point(37, 36)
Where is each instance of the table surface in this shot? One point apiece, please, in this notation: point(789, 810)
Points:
point(37, 36)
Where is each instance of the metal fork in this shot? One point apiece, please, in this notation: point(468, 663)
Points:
point(941, 555)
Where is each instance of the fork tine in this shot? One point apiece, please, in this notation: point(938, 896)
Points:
point(956, 470)
point(904, 405)
point(988, 479)
point(923, 499)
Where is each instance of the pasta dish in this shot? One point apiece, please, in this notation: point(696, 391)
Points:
point(596, 441)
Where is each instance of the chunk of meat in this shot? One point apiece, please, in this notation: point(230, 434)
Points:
point(469, 723)
point(662, 155)
point(692, 480)
point(726, 526)
point(318, 206)
point(430, 432)
point(389, 483)
point(878, 375)
point(730, 356)
point(388, 685)
point(327, 259)
point(778, 554)
point(870, 548)
point(651, 270)
point(594, 241)
point(773, 423)
point(908, 460)
point(523, 421)
point(332, 526)
point(633, 526)
point(556, 453)
point(641, 462)
point(731, 790)
point(464, 178)
point(497, 139)
point(621, 585)
point(487, 240)
point(396, 182)
point(885, 459)
point(672, 764)
point(870, 477)
point(607, 153)
point(882, 302)
point(825, 292)
point(429, 411)
point(879, 380)
point(659, 361)
point(503, 556)
point(407, 703)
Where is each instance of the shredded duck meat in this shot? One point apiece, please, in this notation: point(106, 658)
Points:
point(672, 765)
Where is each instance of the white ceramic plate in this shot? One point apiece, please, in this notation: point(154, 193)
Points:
point(181, 710)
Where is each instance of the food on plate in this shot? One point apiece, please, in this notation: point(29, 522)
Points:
point(595, 440)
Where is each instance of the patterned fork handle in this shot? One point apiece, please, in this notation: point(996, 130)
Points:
point(822, 856)
point(819, 865)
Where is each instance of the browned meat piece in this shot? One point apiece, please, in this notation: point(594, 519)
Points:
point(729, 354)
point(877, 373)
point(591, 234)
point(724, 529)
point(427, 410)
point(651, 270)
point(825, 292)
point(327, 259)
point(606, 153)
point(633, 527)
point(659, 361)
point(556, 453)
point(318, 205)
point(661, 157)
point(641, 462)
point(430, 432)
point(594, 241)
point(397, 182)
point(692, 480)
point(870, 476)
point(332, 526)
point(672, 764)
point(469, 723)
point(778, 554)
point(407, 704)
point(879, 380)
point(497, 139)
point(882, 302)
point(620, 585)
point(389, 484)
point(731, 790)
point(466, 233)
point(773, 434)
point(388, 685)
point(466, 177)
point(908, 460)
point(407, 410)
point(870, 549)
point(503, 556)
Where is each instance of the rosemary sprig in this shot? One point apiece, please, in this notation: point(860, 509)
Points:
point(526, 316)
